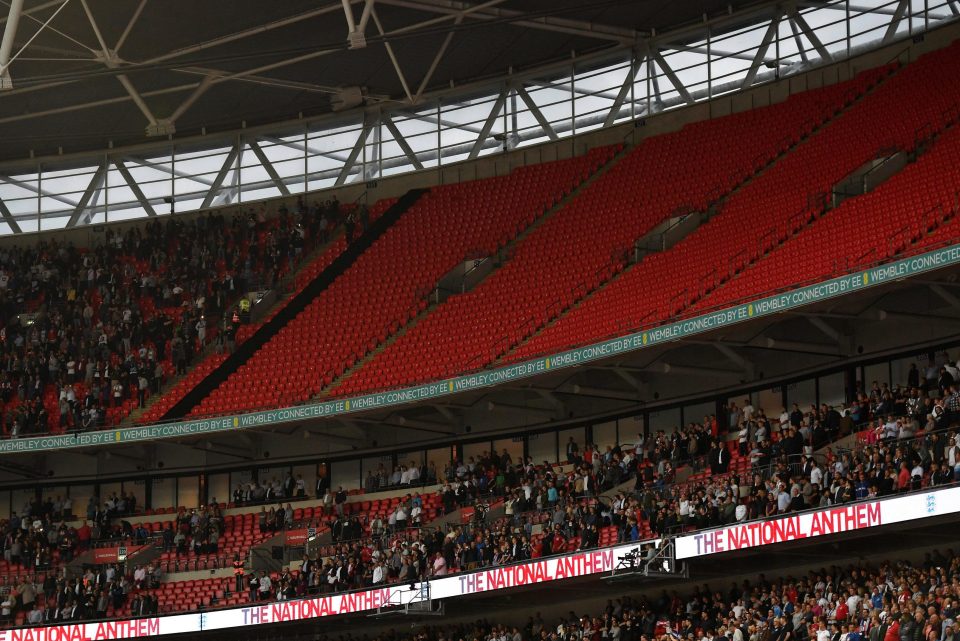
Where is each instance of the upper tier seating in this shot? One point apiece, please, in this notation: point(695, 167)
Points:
point(901, 213)
point(585, 243)
point(387, 286)
point(769, 210)
point(129, 307)
point(336, 246)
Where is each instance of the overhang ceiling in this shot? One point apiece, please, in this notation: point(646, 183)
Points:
point(102, 70)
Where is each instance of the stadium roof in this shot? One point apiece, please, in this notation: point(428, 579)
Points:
point(90, 74)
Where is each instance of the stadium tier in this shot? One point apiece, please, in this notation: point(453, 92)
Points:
point(782, 205)
point(335, 241)
point(124, 318)
point(667, 313)
point(606, 495)
point(574, 278)
point(388, 285)
point(590, 240)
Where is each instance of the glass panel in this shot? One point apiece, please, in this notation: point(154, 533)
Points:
point(605, 434)
point(439, 458)
point(576, 436)
point(188, 491)
point(138, 487)
point(346, 474)
point(802, 393)
point(80, 497)
point(164, 493)
point(240, 480)
point(512, 446)
point(542, 447)
point(666, 420)
point(475, 451)
point(307, 474)
point(878, 373)
point(377, 471)
point(218, 488)
point(832, 390)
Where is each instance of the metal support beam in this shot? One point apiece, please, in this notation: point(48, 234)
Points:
point(5, 66)
point(6, 45)
point(947, 297)
point(743, 364)
point(348, 12)
point(488, 124)
point(671, 76)
point(401, 141)
point(548, 23)
point(535, 110)
point(436, 60)
point(758, 58)
point(268, 166)
point(354, 154)
point(824, 327)
point(919, 318)
point(802, 50)
point(130, 23)
point(299, 146)
point(365, 16)
point(41, 192)
point(393, 57)
point(110, 61)
point(528, 409)
point(954, 8)
point(817, 349)
point(630, 379)
point(812, 37)
point(8, 218)
point(188, 102)
point(684, 370)
point(891, 31)
point(624, 91)
point(214, 190)
point(599, 392)
point(96, 183)
point(137, 99)
point(134, 186)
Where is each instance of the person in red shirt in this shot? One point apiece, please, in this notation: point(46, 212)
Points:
point(903, 478)
point(893, 630)
point(842, 612)
point(83, 537)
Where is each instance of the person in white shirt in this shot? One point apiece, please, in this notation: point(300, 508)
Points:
point(816, 475)
point(439, 565)
point(139, 576)
point(405, 476)
point(748, 410)
point(378, 573)
point(413, 473)
point(265, 586)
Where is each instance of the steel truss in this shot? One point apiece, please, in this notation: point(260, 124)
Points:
point(640, 74)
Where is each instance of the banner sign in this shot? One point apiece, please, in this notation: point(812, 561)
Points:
point(771, 305)
point(112, 555)
point(806, 525)
point(300, 537)
point(833, 520)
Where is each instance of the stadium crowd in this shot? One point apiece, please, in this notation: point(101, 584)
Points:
point(904, 441)
point(86, 335)
point(892, 601)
